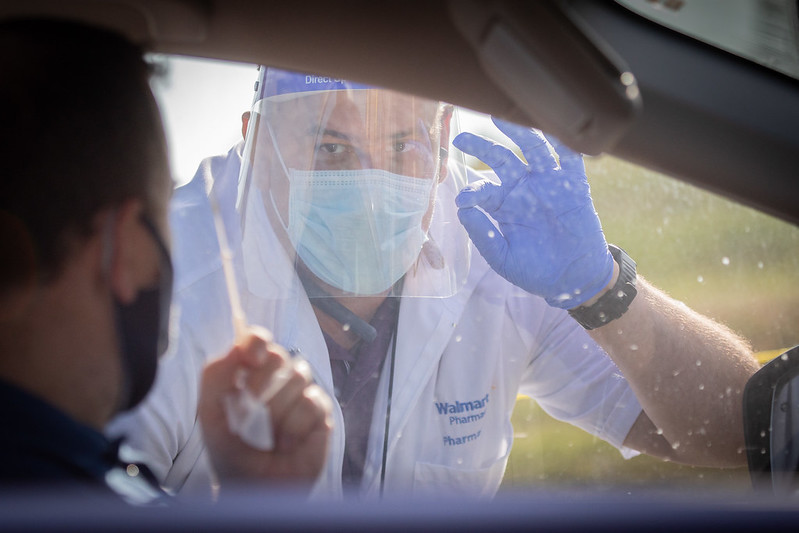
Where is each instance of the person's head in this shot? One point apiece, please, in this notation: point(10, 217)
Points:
point(350, 172)
point(85, 178)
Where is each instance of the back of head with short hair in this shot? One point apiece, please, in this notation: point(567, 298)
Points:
point(80, 132)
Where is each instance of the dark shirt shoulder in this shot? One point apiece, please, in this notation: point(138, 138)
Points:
point(42, 446)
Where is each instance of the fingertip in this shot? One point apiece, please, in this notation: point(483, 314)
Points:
point(261, 332)
point(470, 144)
point(304, 369)
point(462, 139)
point(560, 148)
point(502, 124)
point(278, 350)
point(477, 225)
point(466, 215)
point(515, 131)
point(253, 350)
point(466, 198)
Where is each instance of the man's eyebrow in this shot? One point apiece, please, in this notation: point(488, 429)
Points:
point(401, 134)
point(343, 136)
point(332, 133)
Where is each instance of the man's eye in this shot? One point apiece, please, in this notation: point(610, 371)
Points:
point(400, 146)
point(332, 148)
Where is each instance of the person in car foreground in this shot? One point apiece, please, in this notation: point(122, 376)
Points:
point(87, 278)
point(347, 212)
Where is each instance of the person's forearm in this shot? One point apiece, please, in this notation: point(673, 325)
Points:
point(687, 371)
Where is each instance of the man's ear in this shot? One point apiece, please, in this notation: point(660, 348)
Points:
point(127, 253)
point(18, 275)
point(245, 121)
point(446, 119)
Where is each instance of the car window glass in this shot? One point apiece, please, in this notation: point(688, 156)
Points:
point(763, 31)
point(201, 103)
point(724, 260)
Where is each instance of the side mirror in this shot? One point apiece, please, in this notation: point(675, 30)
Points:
point(771, 425)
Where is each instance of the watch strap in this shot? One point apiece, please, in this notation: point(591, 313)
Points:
point(615, 302)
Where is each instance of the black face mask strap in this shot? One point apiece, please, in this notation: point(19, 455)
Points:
point(324, 302)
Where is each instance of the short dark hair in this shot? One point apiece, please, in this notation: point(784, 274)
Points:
point(79, 132)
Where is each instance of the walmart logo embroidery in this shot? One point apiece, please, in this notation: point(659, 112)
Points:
point(462, 413)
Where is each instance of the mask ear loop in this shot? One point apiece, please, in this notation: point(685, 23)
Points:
point(285, 172)
point(327, 111)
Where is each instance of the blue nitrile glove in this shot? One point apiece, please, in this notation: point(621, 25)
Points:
point(547, 238)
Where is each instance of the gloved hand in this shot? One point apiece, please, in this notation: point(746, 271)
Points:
point(547, 238)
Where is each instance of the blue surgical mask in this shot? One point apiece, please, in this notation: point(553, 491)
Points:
point(357, 230)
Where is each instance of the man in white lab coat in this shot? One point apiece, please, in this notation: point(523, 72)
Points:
point(341, 212)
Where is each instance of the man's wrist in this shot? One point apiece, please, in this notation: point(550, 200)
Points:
point(613, 280)
point(613, 302)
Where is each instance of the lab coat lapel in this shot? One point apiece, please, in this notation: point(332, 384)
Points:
point(425, 328)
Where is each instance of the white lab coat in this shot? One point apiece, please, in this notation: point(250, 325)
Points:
point(460, 364)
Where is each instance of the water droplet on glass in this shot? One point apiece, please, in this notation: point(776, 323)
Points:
point(627, 78)
point(458, 338)
point(760, 264)
point(345, 327)
point(701, 387)
point(700, 279)
point(725, 260)
point(659, 431)
point(562, 297)
point(490, 234)
point(634, 347)
point(698, 362)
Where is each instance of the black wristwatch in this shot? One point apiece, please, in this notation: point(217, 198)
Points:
point(616, 301)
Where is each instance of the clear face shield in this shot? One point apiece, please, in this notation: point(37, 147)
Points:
point(351, 187)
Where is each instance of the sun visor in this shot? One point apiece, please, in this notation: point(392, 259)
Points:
point(565, 81)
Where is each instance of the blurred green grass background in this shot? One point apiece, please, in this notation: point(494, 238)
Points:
point(727, 261)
